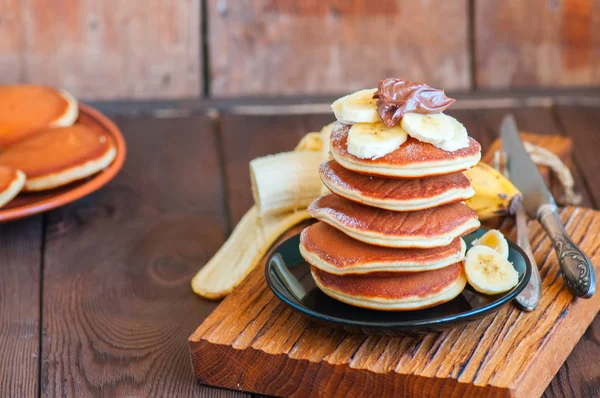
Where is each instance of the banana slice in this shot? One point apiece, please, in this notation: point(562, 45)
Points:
point(374, 140)
point(433, 128)
point(488, 271)
point(459, 140)
point(494, 239)
point(358, 107)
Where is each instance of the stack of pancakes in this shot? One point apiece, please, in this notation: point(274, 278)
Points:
point(389, 235)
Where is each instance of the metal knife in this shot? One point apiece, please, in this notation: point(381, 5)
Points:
point(530, 296)
point(576, 268)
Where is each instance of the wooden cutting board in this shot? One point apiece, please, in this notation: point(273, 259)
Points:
point(254, 342)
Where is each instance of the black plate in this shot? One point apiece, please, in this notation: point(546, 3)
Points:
point(288, 275)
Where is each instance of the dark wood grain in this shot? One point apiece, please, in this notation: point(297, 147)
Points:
point(117, 302)
point(246, 137)
point(20, 277)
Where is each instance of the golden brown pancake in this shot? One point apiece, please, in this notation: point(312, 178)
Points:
point(413, 159)
point(334, 252)
point(27, 108)
point(393, 193)
point(11, 183)
point(417, 229)
point(57, 156)
point(397, 292)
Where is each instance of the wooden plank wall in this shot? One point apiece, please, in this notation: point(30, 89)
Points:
point(103, 49)
point(315, 47)
point(537, 43)
point(149, 49)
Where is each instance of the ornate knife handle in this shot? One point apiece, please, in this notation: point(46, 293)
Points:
point(576, 268)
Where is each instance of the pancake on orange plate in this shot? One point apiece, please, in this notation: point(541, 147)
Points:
point(27, 108)
point(434, 227)
point(58, 156)
point(393, 193)
point(334, 252)
point(11, 183)
point(394, 292)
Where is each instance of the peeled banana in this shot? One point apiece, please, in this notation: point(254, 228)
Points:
point(494, 193)
point(285, 181)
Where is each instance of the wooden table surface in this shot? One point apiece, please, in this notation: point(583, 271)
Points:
point(95, 297)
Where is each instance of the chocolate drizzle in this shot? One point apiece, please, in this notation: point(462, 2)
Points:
point(395, 97)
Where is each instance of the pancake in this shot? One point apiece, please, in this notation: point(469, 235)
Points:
point(333, 252)
point(57, 156)
point(27, 108)
point(418, 229)
point(398, 292)
point(11, 183)
point(395, 194)
point(413, 159)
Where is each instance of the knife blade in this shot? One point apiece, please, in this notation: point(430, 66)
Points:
point(576, 268)
point(531, 295)
point(524, 173)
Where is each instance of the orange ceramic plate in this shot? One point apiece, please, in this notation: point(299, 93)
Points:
point(30, 203)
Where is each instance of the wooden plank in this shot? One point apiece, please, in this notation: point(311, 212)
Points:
point(20, 265)
point(258, 343)
point(537, 43)
point(307, 47)
point(117, 301)
point(247, 137)
point(114, 49)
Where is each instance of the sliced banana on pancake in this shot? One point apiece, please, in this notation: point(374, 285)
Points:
point(433, 128)
point(488, 271)
point(459, 140)
point(494, 239)
point(358, 107)
point(374, 140)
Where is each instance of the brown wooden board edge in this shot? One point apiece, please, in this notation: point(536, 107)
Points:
point(275, 381)
point(533, 384)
